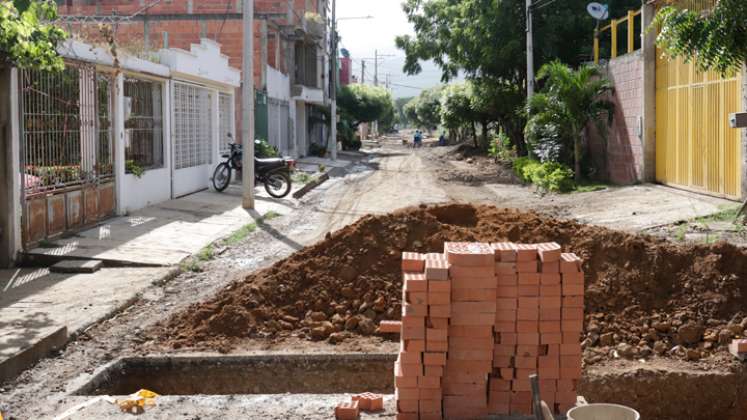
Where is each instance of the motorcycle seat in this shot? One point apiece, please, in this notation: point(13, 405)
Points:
point(269, 163)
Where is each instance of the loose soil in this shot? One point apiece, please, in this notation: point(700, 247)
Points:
point(645, 296)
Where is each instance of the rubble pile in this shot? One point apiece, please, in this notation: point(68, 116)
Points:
point(644, 296)
point(478, 320)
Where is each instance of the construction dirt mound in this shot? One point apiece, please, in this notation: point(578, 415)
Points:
point(645, 296)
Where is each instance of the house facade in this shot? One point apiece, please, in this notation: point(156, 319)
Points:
point(291, 57)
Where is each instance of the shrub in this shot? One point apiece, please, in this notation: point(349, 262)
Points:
point(548, 176)
point(501, 148)
point(263, 149)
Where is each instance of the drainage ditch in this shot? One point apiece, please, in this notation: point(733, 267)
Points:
point(246, 375)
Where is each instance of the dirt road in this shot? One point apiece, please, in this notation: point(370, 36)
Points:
point(393, 177)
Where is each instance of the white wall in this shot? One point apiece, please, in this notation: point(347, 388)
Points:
point(278, 85)
point(152, 188)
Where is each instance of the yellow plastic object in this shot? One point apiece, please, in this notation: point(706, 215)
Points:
point(137, 402)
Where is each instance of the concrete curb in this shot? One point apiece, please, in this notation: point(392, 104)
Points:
point(23, 359)
point(313, 184)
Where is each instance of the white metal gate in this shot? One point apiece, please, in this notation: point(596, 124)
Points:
point(193, 137)
point(278, 125)
point(225, 121)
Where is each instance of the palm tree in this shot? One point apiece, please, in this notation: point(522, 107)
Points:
point(570, 100)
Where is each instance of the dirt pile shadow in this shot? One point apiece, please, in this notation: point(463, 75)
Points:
point(644, 295)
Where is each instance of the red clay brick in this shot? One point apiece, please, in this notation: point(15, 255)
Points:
point(414, 310)
point(410, 358)
point(406, 405)
point(548, 367)
point(414, 282)
point(439, 298)
point(554, 290)
point(521, 385)
point(549, 314)
point(471, 355)
point(458, 388)
point(505, 315)
point(570, 372)
point(527, 338)
point(528, 291)
point(528, 302)
point(458, 376)
point(434, 359)
point(522, 362)
point(429, 382)
point(573, 313)
point(413, 333)
point(459, 271)
point(474, 295)
point(507, 373)
point(738, 346)
point(505, 268)
point(504, 251)
point(436, 269)
point(469, 366)
point(521, 403)
point(527, 267)
point(347, 411)
point(417, 298)
point(572, 325)
point(550, 267)
point(437, 323)
point(436, 345)
point(573, 301)
point(551, 302)
point(413, 345)
point(551, 338)
point(472, 319)
point(503, 361)
point(550, 279)
point(570, 349)
point(507, 292)
point(413, 262)
point(504, 350)
point(553, 350)
point(439, 311)
point(566, 397)
point(470, 331)
point(527, 351)
point(479, 283)
point(402, 381)
point(573, 290)
point(432, 370)
point(507, 304)
point(469, 254)
point(508, 280)
point(547, 387)
point(430, 407)
point(550, 327)
point(390, 327)
point(433, 334)
point(467, 343)
point(525, 373)
point(508, 338)
point(549, 252)
point(529, 279)
point(375, 402)
point(498, 385)
point(406, 394)
point(409, 321)
point(474, 307)
point(569, 263)
point(527, 327)
point(411, 369)
point(526, 252)
point(439, 286)
point(567, 385)
point(573, 278)
point(527, 314)
point(407, 416)
point(505, 326)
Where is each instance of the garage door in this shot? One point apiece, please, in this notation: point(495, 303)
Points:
point(695, 147)
point(193, 138)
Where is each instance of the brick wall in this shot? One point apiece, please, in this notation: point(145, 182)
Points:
point(620, 158)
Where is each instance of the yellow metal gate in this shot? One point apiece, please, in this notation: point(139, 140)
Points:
point(695, 147)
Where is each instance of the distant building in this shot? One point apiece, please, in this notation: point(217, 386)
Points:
point(346, 68)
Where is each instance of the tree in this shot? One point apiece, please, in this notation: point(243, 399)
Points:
point(486, 41)
point(570, 100)
point(401, 117)
point(456, 107)
point(715, 40)
point(425, 109)
point(25, 39)
point(363, 103)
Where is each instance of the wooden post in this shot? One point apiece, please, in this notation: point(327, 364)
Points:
point(613, 30)
point(596, 47)
point(631, 31)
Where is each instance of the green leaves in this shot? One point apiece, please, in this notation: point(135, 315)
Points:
point(425, 109)
point(25, 39)
point(363, 103)
point(713, 41)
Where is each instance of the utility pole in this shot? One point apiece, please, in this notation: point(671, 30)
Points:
point(247, 107)
point(363, 72)
point(376, 67)
point(333, 94)
point(530, 51)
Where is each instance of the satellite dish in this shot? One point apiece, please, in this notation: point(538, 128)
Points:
point(598, 11)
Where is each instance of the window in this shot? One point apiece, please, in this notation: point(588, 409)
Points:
point(143, 124)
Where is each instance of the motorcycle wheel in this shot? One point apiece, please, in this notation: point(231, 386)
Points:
point(222, 177)
point(278, 184)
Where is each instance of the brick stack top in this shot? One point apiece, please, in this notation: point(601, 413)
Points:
point(480, 318)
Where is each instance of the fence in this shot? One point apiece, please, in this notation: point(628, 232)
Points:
point(633, 41)
point(67, 138)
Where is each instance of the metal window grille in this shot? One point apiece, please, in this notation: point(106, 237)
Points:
point(143, 123)
point(66, 129)
point(278, 127)
point(225, 118)
point(193, 126)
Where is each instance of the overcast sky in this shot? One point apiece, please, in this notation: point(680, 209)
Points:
point(363, 37)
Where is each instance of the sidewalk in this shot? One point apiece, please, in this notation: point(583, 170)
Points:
point(164, 234)
point(40, 311)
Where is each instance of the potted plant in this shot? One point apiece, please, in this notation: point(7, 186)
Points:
point(314, 24)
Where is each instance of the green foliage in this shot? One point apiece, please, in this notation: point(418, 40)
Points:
point(501, 148)
point(363, 103)
point(133, 168)
point(558, 116)
point(456, 105)
point(400, 117)
point(25, 39)
point(425, 109)
point(263, 149)
point(716, 40)
point(547, 176)
point(317, 150)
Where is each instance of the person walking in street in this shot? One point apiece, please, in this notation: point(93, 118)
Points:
point(442, 139)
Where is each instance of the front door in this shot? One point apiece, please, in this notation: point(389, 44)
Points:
point(194, 138)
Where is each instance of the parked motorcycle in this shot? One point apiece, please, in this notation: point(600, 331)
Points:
point(274, 173)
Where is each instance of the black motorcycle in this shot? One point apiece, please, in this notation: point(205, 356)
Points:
point(274, 173)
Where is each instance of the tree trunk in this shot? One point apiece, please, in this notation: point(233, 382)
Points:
point(485, 140)
point(577, 144)
point(474, 134)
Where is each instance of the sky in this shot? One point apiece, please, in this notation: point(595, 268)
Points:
point(363, 37)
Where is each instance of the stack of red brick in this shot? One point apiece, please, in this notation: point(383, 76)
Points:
point(478, 319)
